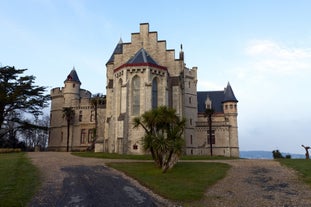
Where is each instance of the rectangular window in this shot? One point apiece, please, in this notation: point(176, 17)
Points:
point(83, 136)
point(90, 135)
point(80, 116)
point(213, 137)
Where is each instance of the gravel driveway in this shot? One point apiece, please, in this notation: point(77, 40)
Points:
point(75, 181)
point(249, 183)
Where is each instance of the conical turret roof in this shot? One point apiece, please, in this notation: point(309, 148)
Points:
point(229, 95)
point(73, 76)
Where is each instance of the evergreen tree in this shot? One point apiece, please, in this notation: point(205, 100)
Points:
point(18, 95)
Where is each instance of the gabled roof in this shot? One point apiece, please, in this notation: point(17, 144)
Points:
point(73, 76)
point(229, 95)
point(141, 58)
point(117, 50)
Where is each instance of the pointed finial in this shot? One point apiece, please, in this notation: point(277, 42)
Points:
point(180, 46)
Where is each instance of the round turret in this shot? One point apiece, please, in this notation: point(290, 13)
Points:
point(71, 90)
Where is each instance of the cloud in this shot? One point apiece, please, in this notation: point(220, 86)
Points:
point(270, 56)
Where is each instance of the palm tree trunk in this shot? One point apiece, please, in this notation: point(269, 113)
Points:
point(68, 131)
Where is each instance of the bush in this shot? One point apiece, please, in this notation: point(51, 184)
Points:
point(288, 157)
point(277, 154)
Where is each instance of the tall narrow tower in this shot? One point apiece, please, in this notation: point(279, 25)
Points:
point(231, 113)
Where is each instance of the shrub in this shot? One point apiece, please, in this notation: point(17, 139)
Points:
point(277, 154)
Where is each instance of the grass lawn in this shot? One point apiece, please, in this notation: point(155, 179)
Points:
point(19, 179)
point(300, 165)
point(104, 155)
point(185, 182)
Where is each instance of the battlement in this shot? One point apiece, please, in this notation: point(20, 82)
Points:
point(58, 91)
point(85, 93)
point(191, 72)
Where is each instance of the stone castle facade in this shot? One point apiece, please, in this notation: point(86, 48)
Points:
point(142, 75)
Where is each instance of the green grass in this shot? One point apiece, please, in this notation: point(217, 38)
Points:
point(300, 165)
point(104, 155)
point(185, 182)
point(19, 179)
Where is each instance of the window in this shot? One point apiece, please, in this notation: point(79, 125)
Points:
point(92, 116)
point(80, 116)
point(136, 95)
point(73, 85)
point(154, 93)
point(191, 139)
point(83, 136)
point(213, 137)
point(90, 135)
point(189, 84)
point(190, 122)
point(61, 136)
point(189, 100)
point(120, 96)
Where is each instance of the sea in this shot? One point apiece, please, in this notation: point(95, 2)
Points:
point(267, 155)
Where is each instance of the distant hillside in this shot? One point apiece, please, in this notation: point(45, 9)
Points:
point(265, 155)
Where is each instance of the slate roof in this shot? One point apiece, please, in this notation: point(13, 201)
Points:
point(142, 57)
point(229, 95)
point(73, 76)
point(217, 98)
point(117, 50)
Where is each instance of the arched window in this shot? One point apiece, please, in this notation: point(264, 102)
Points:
point(136, 95)
point(154, 93)
point(120, 96)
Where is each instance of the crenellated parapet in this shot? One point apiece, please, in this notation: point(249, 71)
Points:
point(57, 91)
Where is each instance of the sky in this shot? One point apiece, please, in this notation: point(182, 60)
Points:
point(262, 47)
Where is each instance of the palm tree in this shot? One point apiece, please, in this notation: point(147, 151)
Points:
point(68, 114)
point(163, 135)
point(96, 101)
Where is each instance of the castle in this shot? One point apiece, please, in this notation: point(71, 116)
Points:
point(141, 75)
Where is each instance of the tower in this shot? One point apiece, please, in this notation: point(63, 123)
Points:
point(71, 90)
point(231, 113)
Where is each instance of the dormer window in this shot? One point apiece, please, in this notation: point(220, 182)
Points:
point(208, 103)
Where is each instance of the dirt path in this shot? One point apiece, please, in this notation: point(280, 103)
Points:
point(249, 183)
